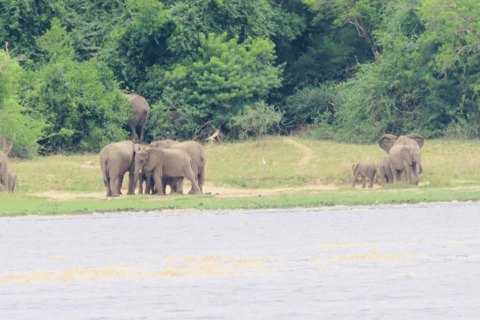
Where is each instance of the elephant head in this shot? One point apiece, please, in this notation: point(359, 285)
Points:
point(387, 141)
point(141, 161)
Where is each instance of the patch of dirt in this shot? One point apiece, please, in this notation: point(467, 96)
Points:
point(208, 188)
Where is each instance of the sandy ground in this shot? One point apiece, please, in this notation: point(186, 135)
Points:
point(208, 189)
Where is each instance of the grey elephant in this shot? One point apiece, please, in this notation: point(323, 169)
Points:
point(196, 152)
point(12, 182)
point(164, 164)
point(140, 113)
point(385, 171)
point(404, 153)
point(5, 173)
point(364, 169)
point(116, 159)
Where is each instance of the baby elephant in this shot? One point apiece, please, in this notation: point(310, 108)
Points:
point(364, 169)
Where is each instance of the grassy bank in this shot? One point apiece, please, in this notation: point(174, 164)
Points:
point(451, 172)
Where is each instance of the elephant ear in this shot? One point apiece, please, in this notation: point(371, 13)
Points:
point(418, 139)
point(386, 142)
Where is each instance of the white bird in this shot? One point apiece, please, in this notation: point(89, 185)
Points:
point(263, 160)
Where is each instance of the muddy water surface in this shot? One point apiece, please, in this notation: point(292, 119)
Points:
point(382, 262)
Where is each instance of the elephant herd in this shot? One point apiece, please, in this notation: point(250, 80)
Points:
point(403, 160)
point(168, 163)
point(165, 162)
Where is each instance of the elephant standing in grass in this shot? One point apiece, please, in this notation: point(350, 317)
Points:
point(7, 178)
point(165, 164)
point(364, 169)
point(115, 160)
point(195, 150)
point(385, 171)
point(140, 113)
point(404, 155)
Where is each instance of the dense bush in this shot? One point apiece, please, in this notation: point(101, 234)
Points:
point(224, 78)
point(80, 101)
point(19, 129)
point(256, 121)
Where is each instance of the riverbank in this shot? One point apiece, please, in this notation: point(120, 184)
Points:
point(277, 172)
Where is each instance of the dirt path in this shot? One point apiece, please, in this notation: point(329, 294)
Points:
point(222, 192)
point(308, 152)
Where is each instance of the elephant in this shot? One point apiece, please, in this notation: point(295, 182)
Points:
point(384, 170)
point(166, 163)
point(404, 160)
point(115, 160)
point(5, 173)
point(194, 149)
point(364, 169)
point(12, 180)
point(140, 113)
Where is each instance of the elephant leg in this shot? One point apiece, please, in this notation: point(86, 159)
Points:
point(191, 177)
point(142, 132)
point(107, 183)
point(115, 184)
point(179, 185)
point(355, 176)
point(157, 179)
point(363, 182)
point(371, 181)
point(131, 182)
point(120, 184)
point(133, 128)
point(394, 173)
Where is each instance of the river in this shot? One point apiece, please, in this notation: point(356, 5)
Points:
point(368, 262)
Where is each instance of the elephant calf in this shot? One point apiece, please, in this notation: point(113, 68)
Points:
point(364, 169)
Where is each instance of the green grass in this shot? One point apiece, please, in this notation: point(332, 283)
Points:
point(451, 172)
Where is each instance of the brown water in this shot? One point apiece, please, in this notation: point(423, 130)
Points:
point(379, 262)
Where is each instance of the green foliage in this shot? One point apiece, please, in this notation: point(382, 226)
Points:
point(312, 103)
point(237, 18)
point(257, 121)
point(90, 23)
point(138, 42)
point(224, 78)
point(20, 130)
point(21, 21)
point(80, 101)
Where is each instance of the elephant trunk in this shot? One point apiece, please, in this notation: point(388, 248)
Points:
point(138, 168)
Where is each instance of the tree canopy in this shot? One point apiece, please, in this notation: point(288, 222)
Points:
point(348, 70)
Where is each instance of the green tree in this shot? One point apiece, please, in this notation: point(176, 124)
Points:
point(20, 130)
point(21, 21)
point(80, 101)
point(138, 42)
point(224, 78)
